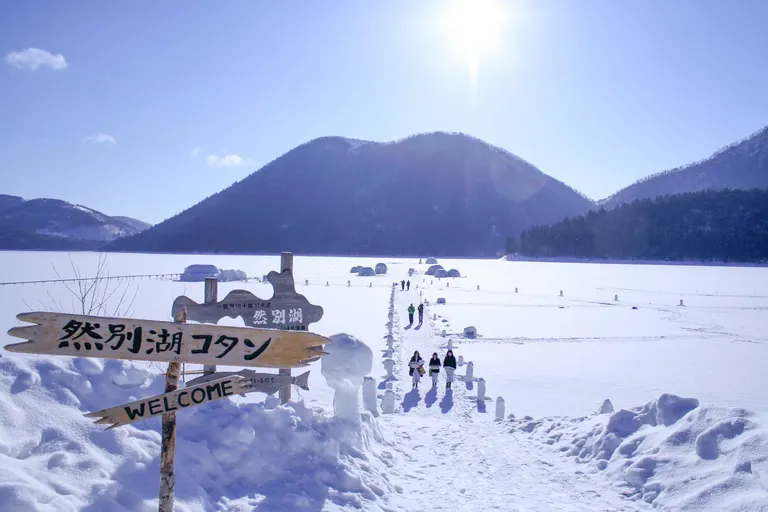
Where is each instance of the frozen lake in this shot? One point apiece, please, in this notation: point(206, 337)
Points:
point(567, 353)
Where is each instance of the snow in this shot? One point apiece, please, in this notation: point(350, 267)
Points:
point(605, 407)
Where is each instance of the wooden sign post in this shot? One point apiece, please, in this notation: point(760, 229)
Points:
point(168, 436)
point(210, 297)
point(286, 264)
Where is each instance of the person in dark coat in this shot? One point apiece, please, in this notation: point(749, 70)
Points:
point(421, 313)
point(402, 285)
point(408, 285)
point(434, 369)
point(414, 366)
point(449, 363)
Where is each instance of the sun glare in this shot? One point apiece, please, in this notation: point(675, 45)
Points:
point(474, 27)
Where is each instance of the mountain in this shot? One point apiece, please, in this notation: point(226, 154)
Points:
point(741, 165)
point(49, 224)
point(436, 193)
point(724, 225)
point(138, 225)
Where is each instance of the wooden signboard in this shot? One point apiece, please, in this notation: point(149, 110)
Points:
point(268, 383)
point(149, 340)
point(158, 405)
point(286, 310)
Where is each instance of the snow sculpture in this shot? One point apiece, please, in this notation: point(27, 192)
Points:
point(390, 342)
point(478, 287)
point(561, 293)
point(431, 261)
point(347, 362)
point(388, 403)
point(349, 283)
point(389, 365)
point(616, 297)
point(681, 302)
point(369, 396)
point(450, 345)
point(470, 371)
point(327, 283)
point(470, 332)
point(442, 333)
point(499, 408)
point(381, 268)
point(306, 282)
point(480, 389)
point(461, 360)
point(515, 289)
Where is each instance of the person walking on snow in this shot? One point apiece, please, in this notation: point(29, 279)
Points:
point(416, 367)
point(434, 369)
point(449, 363)
point(421, 313)
point(408, 285)
point(411, 311)
point(402, 285)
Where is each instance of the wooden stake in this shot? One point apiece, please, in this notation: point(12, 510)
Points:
point(210, 297)
point(286, 263)
point(168, 432)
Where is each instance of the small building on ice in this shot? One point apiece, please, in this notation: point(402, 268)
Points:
point(454, 273)
point(431, 261)
point(441, 300)
point(381, 268)
point(431, 270)
point(366, 272)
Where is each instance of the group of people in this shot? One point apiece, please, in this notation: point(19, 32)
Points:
point(405, 285)
point(416, 368)
point(412, 310)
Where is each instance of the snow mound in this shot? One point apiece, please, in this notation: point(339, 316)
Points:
point(669, 452)
point(229, 456)
point(434, 268)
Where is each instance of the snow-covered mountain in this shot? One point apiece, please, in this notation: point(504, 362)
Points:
point(52, 223)
point(436, 193)
point(741, 165)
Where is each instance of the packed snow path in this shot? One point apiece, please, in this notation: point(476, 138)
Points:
point(457, 457)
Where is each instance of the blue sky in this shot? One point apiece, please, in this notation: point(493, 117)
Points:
point(145, 108)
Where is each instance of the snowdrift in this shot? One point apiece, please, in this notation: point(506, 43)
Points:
point(669, 452)
point(230, 456)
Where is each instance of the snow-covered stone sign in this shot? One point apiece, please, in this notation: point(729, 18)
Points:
point(286, 310)
point(149, 340)
point(268, 383)
point(158, 405)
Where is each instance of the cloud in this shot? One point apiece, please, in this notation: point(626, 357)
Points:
point(228, 160)
point(34, 58)
point(195, 153)
point(99, 138)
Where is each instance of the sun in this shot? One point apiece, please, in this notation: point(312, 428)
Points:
point(473, 27)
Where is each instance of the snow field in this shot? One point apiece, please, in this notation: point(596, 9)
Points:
point(553, 359)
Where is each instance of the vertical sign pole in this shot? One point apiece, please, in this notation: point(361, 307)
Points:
point(168, 432)
point(286, 263)
point(211, 297)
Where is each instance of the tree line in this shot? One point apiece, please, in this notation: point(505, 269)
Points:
point(724, 225)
